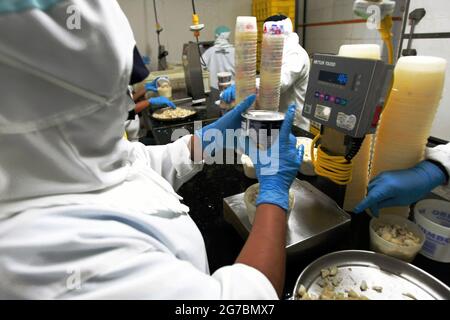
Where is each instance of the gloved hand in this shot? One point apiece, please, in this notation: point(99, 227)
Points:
point(402, 187)
point(231, 120)
point(152, 86)
point(276, 176)
point(229, 94)
point(160, 102)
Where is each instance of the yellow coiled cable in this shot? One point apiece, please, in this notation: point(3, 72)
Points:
point(336, 168)
point(386, 34)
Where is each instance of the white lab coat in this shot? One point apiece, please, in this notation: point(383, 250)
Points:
point(84, 213)
point(441, 154)
point(219, 58)
point(294, 79)
point(294, 75)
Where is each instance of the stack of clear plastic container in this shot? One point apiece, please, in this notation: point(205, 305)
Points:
point(246, 38)
point(271, 62)
point(408, 117)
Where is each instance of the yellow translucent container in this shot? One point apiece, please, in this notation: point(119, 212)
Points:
point(408, 117)
point(356, 190)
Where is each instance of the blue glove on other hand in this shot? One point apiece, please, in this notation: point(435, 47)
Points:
point(152, 86)
point(401, 188)
point(231, 120)
point(160, 102)
point(229, 94)
point(276, 176)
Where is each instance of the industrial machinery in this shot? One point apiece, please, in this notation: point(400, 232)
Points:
point(382, 17)
point(193, 71)
point(414, 18)
point(346, 95)
point(162, 52)
point(193, 63)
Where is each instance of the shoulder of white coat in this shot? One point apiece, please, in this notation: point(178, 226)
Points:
point(440, 154)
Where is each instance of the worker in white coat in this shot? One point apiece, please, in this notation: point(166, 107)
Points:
point(404, 187)
point(86, 214)
point(294, 73)
point(220, 57)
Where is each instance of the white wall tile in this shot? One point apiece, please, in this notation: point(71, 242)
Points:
point(437, 18)
point(176, 17)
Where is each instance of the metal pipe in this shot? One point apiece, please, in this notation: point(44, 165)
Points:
point(405, 21)
point(305, 7)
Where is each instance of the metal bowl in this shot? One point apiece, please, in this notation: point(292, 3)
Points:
point(174, 119)
point(399, 280)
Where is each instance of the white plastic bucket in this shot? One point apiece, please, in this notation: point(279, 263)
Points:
point(433, 217)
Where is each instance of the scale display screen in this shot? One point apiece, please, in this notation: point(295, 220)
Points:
point(340, 79)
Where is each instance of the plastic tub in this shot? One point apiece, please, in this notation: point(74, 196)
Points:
point(165, 92)
point(250, 203)
point(378, 244)
point(224, 77)
point(433, 217)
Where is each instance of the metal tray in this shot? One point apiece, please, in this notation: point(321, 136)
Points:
point(175, 119)
point(314, 220)
point(396, 277)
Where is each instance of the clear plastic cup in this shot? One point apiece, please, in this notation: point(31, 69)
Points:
point(246, 24)
point(378, 244)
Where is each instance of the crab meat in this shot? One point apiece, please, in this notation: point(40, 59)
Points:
point(377, 289)
point(363, 285)
point(409, 295)
point(336, 281)
point(352, 294)
point(301, 291)
point(333, 271)
point(325, 273)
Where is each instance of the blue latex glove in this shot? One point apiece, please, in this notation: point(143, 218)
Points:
point(231, 121)
point(275, 178)
point(160, 102)
point(229, 94)
point(152, 86)
point(401, 188)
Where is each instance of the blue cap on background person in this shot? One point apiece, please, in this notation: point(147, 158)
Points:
point(221, 29)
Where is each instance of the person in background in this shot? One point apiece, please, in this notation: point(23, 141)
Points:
point(138, 74)
point(86, 214)
point(404, 187)
point(294, 73)
point(220, 57)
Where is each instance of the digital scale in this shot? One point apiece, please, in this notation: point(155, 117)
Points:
point(347, 94)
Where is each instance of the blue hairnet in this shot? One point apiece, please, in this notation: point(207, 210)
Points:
point(221, 29)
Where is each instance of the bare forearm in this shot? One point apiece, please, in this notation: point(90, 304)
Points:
point(265, 246)
point(139, 94)
point(141, 105)
point(196, 149)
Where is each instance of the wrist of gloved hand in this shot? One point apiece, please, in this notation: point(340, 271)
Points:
point(273, 193)
point(160, 102)
point(230, 121)
point(435, 176)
